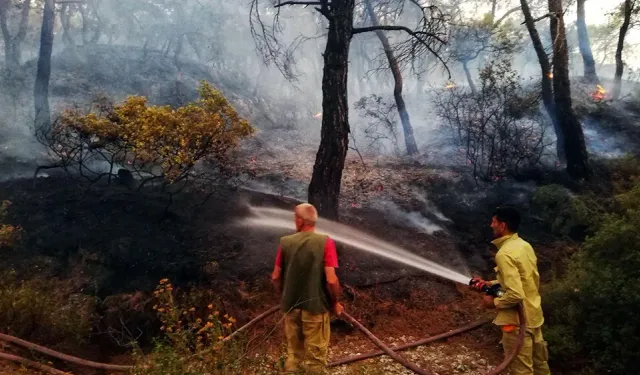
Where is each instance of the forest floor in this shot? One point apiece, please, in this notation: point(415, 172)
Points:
point(106, 239)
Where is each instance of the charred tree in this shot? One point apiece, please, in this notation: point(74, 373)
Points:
point(585, 46)
point(574, 144)
point(407, 129)
point(547, 79)
point(13, 44)
point(65, 20)
point(324, 189)
point(41, 88)
point(467, 72)
point(494, 6)
point(629, 6)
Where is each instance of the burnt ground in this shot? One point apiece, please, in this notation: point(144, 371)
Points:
point(116, 245)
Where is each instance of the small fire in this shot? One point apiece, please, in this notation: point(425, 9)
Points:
point(318, 115)
point(550, 75)
point(600, 94)
point(450, 85)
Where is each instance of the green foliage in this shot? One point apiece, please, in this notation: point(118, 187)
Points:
point(592, 311)
point(45, 311)
point(625, 173)
point(192, 342)
point(564, 213)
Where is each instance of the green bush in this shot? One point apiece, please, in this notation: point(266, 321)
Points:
point(625, 173)
point(44, 311)
point(564, 213)
point(597, 302)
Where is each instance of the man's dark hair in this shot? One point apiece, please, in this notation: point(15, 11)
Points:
point(508, 215)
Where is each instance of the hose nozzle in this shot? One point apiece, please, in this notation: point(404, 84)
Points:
point(494, 290)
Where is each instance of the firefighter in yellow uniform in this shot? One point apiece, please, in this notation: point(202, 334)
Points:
point(518, 276)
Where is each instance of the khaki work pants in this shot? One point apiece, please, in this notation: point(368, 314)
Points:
point(533, 357)
point(307, 341)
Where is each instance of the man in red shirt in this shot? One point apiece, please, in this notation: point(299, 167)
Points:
point(305, 276)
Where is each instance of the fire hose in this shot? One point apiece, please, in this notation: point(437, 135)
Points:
point(384, 349)
point(92, 364)
point(411, 366)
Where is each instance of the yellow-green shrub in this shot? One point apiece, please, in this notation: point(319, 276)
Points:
point(192, 341)
point(9, 234)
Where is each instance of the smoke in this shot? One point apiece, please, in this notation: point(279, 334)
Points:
point(162, 49)
point(607, 144)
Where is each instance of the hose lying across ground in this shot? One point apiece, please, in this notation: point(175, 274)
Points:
point(384, 349)
point(32, 364)
point(62, 356)
point(430, 339)
point(411, 366)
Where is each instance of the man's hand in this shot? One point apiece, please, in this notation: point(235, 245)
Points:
point(477, 283)
point(338, 309)
point(487, 301)
point(276, 279)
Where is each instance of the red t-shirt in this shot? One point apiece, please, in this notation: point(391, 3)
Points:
point(330, 255)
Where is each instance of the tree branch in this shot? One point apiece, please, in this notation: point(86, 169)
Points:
point(550, 14)
point(359, 30)
point(417, 35)
point(507, 14)
point(298, 3)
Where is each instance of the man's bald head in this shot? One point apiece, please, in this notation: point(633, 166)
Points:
point(306, 215)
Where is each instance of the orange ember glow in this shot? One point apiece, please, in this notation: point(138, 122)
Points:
point(450, 85)
point(318, 115)
point(550, 75)
point(600, 94)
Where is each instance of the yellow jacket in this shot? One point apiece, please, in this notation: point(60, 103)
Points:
point(517, 271)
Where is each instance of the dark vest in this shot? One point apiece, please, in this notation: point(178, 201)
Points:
point(304, 281)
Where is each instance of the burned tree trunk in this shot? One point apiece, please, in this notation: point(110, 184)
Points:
point(494, 6)
point(585, 46)
point(41, 88)
point(617, 87)
point(13, 45)
point(467, 72)
point(324, 189)
point(409, 139)
point(9, 57)
point(574, 145)
point(547, 79)
point(97, 32)
point(65, 20)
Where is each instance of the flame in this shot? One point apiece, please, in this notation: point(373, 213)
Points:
point(550, 75)
point(450, 85)
point(318, 115)
point(600, 93)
